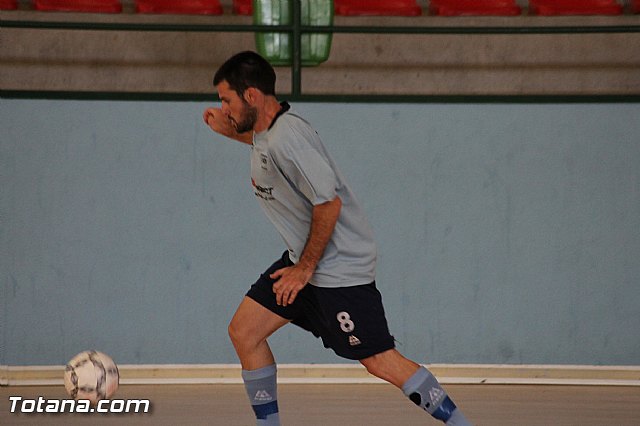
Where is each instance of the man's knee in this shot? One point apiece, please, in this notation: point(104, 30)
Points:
point(238, 333)
point(252, 324)
point(233, 331)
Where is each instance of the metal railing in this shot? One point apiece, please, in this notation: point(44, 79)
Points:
point(296, 29)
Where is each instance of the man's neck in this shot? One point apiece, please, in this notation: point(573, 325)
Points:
point(267, 114)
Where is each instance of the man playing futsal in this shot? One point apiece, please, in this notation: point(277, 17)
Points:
point(325, 281)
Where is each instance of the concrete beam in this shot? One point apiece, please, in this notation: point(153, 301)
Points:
point(436, 64)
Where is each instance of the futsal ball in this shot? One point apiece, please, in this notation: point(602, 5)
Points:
point(91, 375)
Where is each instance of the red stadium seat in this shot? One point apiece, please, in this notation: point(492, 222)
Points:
point(574, 7)
point(474, 7)
point(184, 7)
point(8, 4)
point(377, 7)
point(243, 7)
point(635, 6)
point(95, 6)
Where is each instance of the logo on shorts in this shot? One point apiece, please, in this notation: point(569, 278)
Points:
point(354, 341)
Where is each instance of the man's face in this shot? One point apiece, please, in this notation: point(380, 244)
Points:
point(242, 115)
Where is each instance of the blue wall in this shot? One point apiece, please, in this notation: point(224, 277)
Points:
point(507, 233)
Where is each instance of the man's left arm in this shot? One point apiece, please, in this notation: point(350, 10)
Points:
point(293, 279)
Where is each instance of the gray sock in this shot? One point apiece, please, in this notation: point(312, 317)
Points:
point(424, 390)
point(261, 386)
point(458, 419)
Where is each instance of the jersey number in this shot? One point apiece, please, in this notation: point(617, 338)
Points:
point(345, 322)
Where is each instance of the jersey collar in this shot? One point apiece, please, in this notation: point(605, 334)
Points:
point(284, 107)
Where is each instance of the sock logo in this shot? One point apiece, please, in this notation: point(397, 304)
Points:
point(262, 395)
point(436, 395)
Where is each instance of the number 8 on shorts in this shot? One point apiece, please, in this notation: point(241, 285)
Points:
point(345, 322)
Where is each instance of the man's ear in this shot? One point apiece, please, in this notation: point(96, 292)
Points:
point(251, 95)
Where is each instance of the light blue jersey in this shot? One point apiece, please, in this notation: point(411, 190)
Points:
point(291, 172)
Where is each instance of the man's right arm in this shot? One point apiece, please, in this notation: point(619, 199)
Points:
point(219, 123)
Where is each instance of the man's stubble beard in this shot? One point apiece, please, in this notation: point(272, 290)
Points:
point(248, 118)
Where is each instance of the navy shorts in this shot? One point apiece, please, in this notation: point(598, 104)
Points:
point(349, 320)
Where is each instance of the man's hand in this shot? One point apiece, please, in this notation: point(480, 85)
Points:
point(220, 123)
point(291, 280)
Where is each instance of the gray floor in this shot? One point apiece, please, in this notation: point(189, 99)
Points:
point(367, 405)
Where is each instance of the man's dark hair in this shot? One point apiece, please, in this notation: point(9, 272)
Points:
point(247, 69)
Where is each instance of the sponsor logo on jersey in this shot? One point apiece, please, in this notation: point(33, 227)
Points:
point(264, 192)
point(264, 161)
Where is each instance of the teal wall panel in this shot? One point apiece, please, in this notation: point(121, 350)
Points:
point(507, 233)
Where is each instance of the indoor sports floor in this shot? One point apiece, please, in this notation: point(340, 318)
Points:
point(355, 405)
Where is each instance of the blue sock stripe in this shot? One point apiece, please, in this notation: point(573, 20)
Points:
point(445, 410)
point(264, 410)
